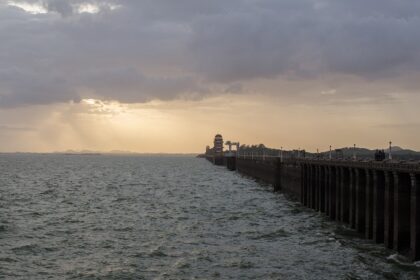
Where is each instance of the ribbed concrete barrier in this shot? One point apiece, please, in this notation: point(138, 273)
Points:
point(380, 200)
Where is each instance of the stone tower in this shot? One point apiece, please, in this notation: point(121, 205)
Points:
point(218, 144)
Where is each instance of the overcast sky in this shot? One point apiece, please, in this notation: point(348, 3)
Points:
point(166, 75)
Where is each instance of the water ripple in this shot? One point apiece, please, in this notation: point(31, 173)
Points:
point(126, 217)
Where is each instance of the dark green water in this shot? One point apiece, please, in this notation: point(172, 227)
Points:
point(111, 217)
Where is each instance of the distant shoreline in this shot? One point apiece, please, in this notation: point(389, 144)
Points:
point(103, 154)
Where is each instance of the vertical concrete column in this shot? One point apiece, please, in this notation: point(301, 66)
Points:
point(402, 211)
point(313, 192)
point(352, 199)
point(313, 183)
point(378, 206)
point(312, 170)
point(369, 204)
point(321, 189)
point(389, 210)
point(308, 185)
point(361, 187)
point(344, 199)
point(278, 165)
point(303, 184)
point(316, 187)
point(327, 190)
point(332, 183)
point(319, 185)
point(339, 175)
point(415, 218)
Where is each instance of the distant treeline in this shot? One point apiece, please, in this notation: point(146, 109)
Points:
point(262, 150)
point(342, 153)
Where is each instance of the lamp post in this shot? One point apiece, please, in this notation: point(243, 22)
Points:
point(330, 153)
point(390, 150)
point(354, 151)
point(237, 151)
point(281, 154)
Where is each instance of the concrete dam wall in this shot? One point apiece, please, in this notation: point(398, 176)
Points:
point(380, 200)
point(285, 177)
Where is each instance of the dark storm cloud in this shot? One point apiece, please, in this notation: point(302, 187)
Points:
point(128, 85)
point(138, 50)
point(296, 39)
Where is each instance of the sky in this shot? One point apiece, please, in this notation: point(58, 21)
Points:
point(164, 76)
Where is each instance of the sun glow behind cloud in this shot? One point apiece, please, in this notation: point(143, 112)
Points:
point(97, 106)
point(187, 126)
point(32, 8)
point(78, 8)
point(88, 8)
